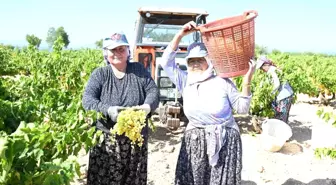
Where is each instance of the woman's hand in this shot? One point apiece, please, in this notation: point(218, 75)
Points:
point(246, 90)
point(248, 76)
point(114, 111)
point(144, 107)
point(187, 28)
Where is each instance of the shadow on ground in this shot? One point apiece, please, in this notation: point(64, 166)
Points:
point(163, 136)
point(248, 183)
point(333, 104)
point(245, 125)
point(301, 133)
point(313, 182)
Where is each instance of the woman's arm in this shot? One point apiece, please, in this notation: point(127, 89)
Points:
point(170, 67)
point(152, 93)
point(91, 96)
point(246, 89)
point(276, 81)
point(168, 58)
point(240, 102)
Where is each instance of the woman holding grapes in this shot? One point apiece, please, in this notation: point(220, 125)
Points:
point(211, 149)
point(110, 89)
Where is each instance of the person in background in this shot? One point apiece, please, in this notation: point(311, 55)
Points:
point(211, 148)
point(146, 62)
point(109, 90)
point(284, 98)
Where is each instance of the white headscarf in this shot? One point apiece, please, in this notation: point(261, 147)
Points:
point(198, 50)
point(197, 77)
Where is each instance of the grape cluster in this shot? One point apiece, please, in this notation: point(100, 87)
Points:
point(130, 122)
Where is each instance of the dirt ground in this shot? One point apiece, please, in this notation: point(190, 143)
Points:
point(294, 164)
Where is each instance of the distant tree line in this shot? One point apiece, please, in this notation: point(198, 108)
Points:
point(52, 36)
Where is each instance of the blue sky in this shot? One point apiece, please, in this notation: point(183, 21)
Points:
point(295, 25)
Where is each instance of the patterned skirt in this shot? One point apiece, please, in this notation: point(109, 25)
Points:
point(118, 163)
point(193, 166)
point(282, 108)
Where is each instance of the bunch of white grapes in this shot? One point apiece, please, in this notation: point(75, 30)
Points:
point(130, 122)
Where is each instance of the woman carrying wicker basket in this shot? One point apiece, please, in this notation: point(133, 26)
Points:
point(284, 99)
point(211, 149)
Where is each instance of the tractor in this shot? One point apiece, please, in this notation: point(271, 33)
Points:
point(155, 28)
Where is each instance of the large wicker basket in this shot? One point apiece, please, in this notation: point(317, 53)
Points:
point(230, 43)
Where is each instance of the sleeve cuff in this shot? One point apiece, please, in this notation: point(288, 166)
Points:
point(246, 97)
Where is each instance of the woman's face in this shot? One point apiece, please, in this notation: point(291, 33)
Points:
point(265, 67)
point(117, 55)
point(197, 65)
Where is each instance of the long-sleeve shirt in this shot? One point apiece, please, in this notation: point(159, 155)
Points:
point(208, 104)
point(104, 89)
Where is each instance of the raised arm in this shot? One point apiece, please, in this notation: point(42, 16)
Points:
point(168, 59)
point(276, 82)
point(170, 67)
point(240, 102)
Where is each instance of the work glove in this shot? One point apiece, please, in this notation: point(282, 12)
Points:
point(144, 107)
point(114, 111)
